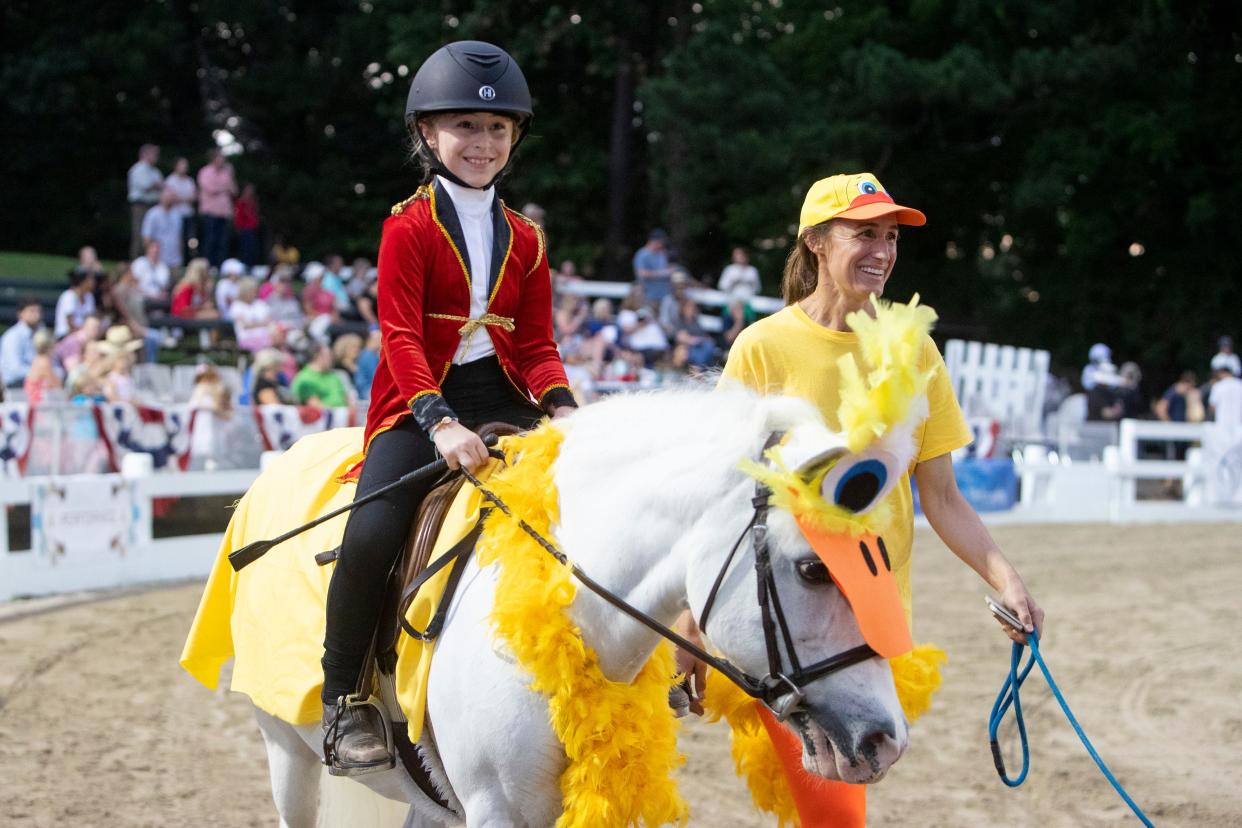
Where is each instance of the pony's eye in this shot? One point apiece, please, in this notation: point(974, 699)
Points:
point(856, 484)
point(813, 571)
point(867, 188)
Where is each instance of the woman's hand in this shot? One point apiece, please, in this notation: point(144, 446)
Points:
point(1018, 598)
point(694, 670)
point(460, 446)
point(563, 411)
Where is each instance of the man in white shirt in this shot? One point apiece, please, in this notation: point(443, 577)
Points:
point(17, 350)
point(1226, 358)
point(151, 272)
point(145, 182)
point(739, 279)
point(1225, 398)
point(162, 224)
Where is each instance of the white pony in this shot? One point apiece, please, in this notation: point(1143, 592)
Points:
point(651, 499)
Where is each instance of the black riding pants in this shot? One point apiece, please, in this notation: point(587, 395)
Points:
point(479, 393)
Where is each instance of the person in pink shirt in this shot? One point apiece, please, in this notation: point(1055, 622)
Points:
point(216, 190)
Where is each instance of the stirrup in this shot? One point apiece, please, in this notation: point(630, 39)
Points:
point(331, 734)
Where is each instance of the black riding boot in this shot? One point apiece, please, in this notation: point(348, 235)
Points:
point(355, 739)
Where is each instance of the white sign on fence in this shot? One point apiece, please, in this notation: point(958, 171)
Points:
point(83, 519)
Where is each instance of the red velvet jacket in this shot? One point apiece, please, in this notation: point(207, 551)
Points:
point(424, 300)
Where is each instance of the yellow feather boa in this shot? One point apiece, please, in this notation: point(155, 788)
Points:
point(915, 674)
point(620, 739)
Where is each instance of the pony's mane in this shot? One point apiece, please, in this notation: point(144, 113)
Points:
point(730, 421)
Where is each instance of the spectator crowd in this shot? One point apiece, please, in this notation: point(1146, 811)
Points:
point(660, 331)
point(195, 283)
point(198, 281)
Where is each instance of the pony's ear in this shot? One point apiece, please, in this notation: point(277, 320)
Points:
point(812, 471)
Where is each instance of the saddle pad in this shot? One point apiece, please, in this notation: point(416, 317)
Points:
point(413, 656)
point(269, 618)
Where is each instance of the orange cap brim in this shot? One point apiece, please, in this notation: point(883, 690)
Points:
point(877, 209)
point(861, 569)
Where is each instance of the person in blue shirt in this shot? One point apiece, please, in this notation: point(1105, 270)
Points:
point(334, 284)
point(17, 350)
point(368, 361)
point(651, 267)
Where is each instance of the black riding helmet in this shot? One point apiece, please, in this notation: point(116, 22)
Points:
point(467, 76)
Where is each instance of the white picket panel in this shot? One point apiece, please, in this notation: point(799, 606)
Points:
point(1000, 381)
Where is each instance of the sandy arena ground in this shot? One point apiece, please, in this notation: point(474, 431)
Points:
point(99, 726)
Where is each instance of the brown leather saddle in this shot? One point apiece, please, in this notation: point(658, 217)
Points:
point(410, 564)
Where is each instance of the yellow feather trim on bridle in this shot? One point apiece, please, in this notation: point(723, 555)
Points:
point(916, 676)
point(620, 739)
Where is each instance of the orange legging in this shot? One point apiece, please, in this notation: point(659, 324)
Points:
point(821, 803)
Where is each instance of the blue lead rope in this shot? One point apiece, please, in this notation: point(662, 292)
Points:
point(1009, 697)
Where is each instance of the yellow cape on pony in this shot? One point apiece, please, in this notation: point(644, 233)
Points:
point(269, 618)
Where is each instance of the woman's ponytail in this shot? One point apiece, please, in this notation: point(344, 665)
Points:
point(801, 268)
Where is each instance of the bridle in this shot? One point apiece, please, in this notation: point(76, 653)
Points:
point(782, 690)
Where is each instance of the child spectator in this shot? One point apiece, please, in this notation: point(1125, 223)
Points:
point(118, 349)
point(210, 392)
point(42, 376)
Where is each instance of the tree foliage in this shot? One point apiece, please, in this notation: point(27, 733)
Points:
point(1076, 162)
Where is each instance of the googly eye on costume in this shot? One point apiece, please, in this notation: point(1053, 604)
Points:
point(858, 482)
point(868, 188)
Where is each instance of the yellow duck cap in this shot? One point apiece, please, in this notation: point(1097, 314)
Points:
point(859, 196)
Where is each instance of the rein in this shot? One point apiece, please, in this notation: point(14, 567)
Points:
point(1008, 697)
point(781, 691)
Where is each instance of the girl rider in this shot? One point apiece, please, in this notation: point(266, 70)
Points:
point(465, 314)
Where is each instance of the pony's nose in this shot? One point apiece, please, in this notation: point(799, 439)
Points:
point(879, 747)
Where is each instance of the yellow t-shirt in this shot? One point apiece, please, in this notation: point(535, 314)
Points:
point(790, 353)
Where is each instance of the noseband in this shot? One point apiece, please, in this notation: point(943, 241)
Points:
point(782, 690)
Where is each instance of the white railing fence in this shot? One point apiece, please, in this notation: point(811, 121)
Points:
point(1204, 484)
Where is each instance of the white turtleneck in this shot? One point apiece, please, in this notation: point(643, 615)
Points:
point(474, 212)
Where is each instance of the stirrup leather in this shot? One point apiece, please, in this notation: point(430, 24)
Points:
point(331, 735)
